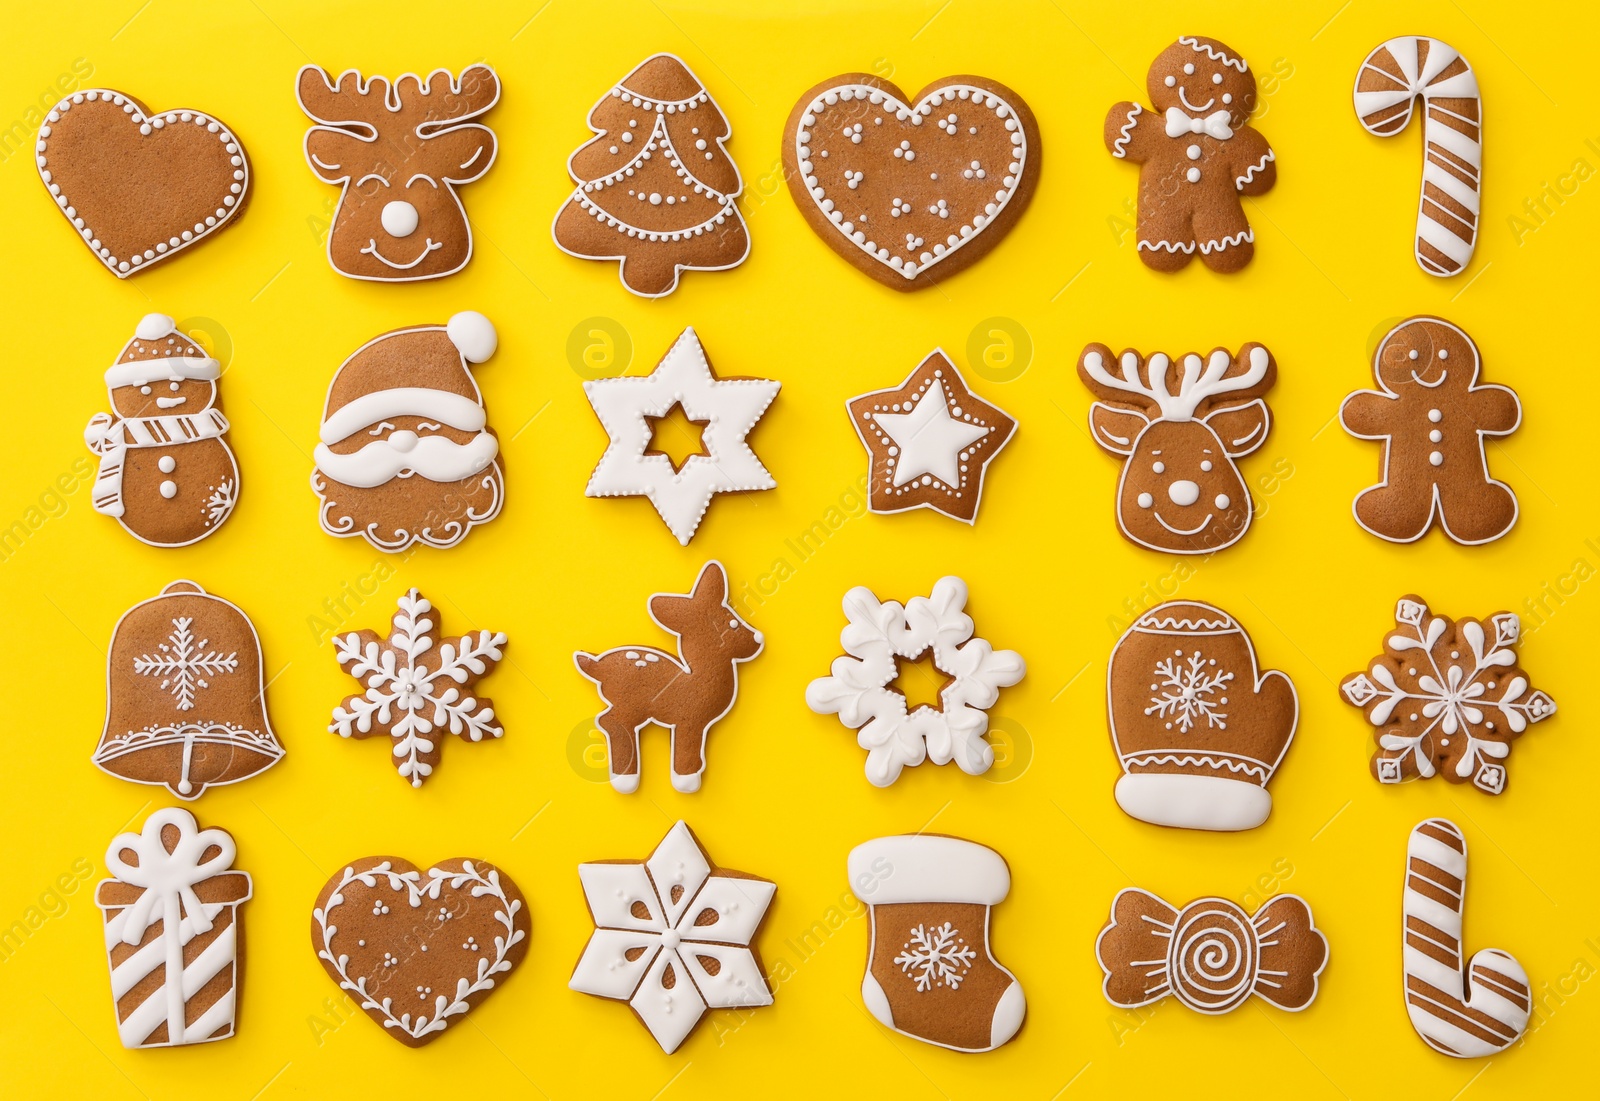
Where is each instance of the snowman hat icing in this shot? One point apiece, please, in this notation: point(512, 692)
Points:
point(174, 366)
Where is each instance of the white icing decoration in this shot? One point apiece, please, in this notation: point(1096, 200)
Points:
point(1179, 124)
point(929, 438)
point(436, 458)
point(442, 406)
point(154, 326)
point(399, 219)
point(473, 335)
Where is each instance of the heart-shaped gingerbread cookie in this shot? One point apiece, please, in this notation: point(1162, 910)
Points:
point(140, 188)
point(418, 948)
point(910, 192)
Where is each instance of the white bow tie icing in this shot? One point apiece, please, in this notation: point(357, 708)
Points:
point(1180, 122)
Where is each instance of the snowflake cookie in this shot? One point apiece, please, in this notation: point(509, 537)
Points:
point(672, 936)
point(861, 688)
point(1446, 698)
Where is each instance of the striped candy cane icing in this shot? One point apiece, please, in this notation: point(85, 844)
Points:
point(1466, 1016)
point(1390, 80)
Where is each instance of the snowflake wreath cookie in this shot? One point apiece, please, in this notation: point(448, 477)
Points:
point(861, 689)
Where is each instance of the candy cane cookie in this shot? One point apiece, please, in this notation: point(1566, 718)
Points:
point(1387, 87)
point(1467, 1015)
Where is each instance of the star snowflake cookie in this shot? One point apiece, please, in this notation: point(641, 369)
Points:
point(861, 687)
point(672, 936)
point(1446, 698)
point(414, 691)
point(930, 440)
point(726, 408)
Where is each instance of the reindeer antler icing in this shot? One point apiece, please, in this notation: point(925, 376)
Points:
point(1200, 379)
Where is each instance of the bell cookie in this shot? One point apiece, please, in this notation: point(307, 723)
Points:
point(417, 948)
point(166, 473)
point(185, 695)
point(1433, 417)
point(398, 152)
point(405, 453)
point(673, 936)
point(903, 201)
point(1197, 156)
point(1446, 698)
point(138, 187)
point(930, 440)
point(656, 187)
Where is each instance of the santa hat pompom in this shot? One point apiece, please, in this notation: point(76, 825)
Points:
point(473, 335)
point(154, 326)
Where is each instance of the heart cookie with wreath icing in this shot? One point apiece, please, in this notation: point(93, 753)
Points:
point(911, 191)
point(140, 187)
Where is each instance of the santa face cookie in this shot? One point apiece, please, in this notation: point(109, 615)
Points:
point(910, 191)
point(656, 187)
point(166, 473)
point(406, 455)
point(417, 948)
point(139, 188)
point(398, 152)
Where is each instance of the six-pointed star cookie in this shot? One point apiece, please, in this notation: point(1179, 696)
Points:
point(726, 408)
point(930, 439)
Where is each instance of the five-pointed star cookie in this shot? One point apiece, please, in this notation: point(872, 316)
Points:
point(930, 439)
point(726, 408)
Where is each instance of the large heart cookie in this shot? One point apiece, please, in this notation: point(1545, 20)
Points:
point(911, 193)
point(140, 188)
point(416, 948)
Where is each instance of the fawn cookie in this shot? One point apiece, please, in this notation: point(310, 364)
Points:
point(907, 190)
point(1433, 417)
point(166, 473)
point(417, 686)
point(673, 936)
point(656, 187)
point(185, 697)
point(866, 687)
point(139, 187)
point(1465, 1008)
point(931, 970)
point(930, 441)
point(398, 152)
point(1198, 726)
point(1390, 81)
point(725, 409)
point(1210, 955)
point(1197, 156)
point(687, 693)
point(418, 948)
point(405, 453)
point(172, 932)
point(1446, 698)
point(1178, 427)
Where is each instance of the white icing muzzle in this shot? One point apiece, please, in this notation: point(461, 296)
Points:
point(436, 458)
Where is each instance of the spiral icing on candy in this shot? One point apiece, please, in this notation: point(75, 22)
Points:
point(1213, 957)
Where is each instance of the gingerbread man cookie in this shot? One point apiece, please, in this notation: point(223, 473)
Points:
point(1197, 157)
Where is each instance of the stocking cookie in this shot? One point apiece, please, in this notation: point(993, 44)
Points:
point(1433, 417)
point(1197, 156)
point(931, 970)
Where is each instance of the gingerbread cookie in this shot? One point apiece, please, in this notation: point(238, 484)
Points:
point(726, 409)
point(931, 969)
point(138, 187)
point(1197, 156)
point(172, 933)
point(398, 152)
point(417, 686)
point(1387, 87)
point(1198, 727)
point(1210, 955)
point(1432, 416)
point(418, 948)
point(656, 187)
point(1446, 698)
point(911, 191)
point(930, 440)
point(688, 693)
point(673, 936)
point(185, 697)
point(406, 455)
point(166, 474)
point(1179, 426)
point(864, 686)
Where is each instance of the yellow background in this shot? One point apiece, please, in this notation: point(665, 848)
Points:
point(785, 796)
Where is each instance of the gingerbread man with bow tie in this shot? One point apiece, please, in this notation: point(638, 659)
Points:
point(1197, 157)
